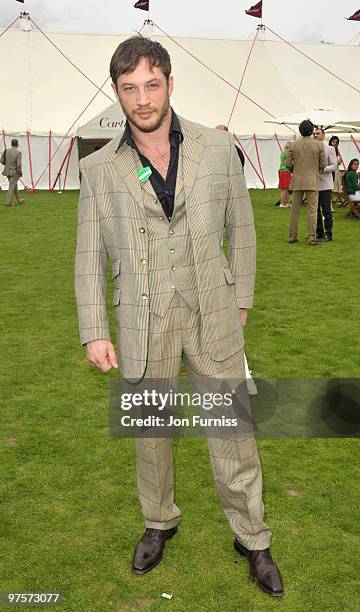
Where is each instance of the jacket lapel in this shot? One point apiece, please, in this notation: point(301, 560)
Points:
point(125, 164)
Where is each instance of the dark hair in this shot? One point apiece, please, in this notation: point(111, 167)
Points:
point(306, 127)
point(337, 143)
point(351, 163)
point(129, 53)
point(14, 142)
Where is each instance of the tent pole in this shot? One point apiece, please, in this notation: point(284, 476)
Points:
point(259, 161)
point(278, 141)
point(49, 159)
point(61, 167)
point(30, 159)
point(248, 158)
point(68, 162)
point(355, 143)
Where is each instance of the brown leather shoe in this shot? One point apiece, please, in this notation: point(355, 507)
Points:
point(263, 571)
point(314, 242)
point(293, 240)
point(149, 550)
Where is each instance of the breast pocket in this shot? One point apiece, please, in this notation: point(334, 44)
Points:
point(218, 191)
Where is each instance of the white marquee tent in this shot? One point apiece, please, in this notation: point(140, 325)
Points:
point(56, 88)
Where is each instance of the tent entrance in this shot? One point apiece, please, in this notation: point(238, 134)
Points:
point(89, 145)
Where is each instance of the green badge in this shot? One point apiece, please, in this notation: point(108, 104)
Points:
point(144, 174)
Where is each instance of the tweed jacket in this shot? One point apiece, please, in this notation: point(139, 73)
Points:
point(307, 159)
point(112, 224)
point(326, 180)
point(12, 162)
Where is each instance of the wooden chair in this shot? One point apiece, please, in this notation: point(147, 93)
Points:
point(341, 197)
point(354, 207)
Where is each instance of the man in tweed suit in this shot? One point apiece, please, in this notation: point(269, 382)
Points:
point(176, 294)
point(11, 159)
point(306, 159)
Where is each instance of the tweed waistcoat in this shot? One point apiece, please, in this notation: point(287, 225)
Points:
point(171, 265)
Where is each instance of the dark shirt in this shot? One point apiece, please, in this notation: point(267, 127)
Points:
point(164, 188)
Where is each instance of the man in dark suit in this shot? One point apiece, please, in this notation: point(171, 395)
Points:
point(11, 159)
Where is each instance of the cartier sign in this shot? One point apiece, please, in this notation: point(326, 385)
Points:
point(105, 122)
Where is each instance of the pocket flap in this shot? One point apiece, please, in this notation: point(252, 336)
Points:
point(229, 277)
point(116, 297)
point(218, 190)
point(115, 268)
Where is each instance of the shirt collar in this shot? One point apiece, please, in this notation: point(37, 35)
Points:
point(174, 132)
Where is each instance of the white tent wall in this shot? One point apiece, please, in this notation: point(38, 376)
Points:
point(45, 92)
point(39, 148)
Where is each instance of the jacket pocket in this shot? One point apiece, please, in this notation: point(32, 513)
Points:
point(218, 191)
point(229, 276)
point(116, 297)
point(116, 265)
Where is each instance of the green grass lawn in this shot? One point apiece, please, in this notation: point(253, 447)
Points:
point(69, 510)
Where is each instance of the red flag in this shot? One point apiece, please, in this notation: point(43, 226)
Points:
point(355, 16)
point(142, 5)
point(256, 10)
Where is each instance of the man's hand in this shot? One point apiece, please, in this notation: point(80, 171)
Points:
point(243, 316)
point(101, 354)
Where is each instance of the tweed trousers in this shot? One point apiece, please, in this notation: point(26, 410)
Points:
point(13, 189)
point(235, 462)
point(311, 207)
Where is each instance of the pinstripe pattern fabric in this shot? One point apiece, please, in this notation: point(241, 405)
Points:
point(114, 223)
point(235, 463)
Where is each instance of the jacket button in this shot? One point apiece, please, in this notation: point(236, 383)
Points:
point(144, 296)
point(142, 230)
point(143, 261)
point(172, 251)
point(173, 268)
point(171, 232)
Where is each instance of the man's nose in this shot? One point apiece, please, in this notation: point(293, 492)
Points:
point(142, 98)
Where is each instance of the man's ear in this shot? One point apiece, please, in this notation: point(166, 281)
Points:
point(170, 85)
point(114, 88)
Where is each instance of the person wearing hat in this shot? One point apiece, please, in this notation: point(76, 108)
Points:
point(11, 159)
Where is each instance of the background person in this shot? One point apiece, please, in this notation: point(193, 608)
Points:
point(334, 142)
point(352, 181)
point(284, 179)
point(11, 159)
point(306, 158)
point(324, 228)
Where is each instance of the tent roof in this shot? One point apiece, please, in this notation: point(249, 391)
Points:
point(105, 125)
point(44, 91)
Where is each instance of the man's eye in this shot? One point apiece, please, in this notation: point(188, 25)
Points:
point(152, 86)
point(128, 88)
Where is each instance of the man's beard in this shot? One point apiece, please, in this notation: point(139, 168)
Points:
point(152, 127)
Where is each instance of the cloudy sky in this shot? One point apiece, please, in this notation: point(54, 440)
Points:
point(296, 20)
